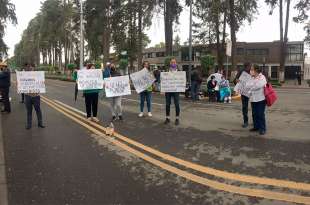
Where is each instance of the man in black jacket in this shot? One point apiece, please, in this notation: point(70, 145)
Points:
point(5, 83)
point(244, 99)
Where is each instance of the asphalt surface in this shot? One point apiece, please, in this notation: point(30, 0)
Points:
point(66, 164)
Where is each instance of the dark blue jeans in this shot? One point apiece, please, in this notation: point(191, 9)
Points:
point(258, 114)
point(146, 96)
point(245, 108)
point(194, 90)
point(176, 99)
point(31, 102)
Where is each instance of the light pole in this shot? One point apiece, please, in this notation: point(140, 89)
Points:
point(81, 36)
point(190, 40)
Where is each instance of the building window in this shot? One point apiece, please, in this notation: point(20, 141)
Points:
point(294, 53)
point(258, 52)
point(176, 53)
point(160, 54)
point(240, 51)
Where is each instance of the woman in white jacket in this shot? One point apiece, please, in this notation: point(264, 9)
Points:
point(257, 98)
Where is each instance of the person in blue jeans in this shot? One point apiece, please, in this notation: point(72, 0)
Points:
point(257, 99)
point(146, 95)
point(174, 95)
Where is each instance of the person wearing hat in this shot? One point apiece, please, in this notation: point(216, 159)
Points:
point(5, 83)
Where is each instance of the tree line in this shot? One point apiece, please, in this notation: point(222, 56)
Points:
point(122, 25)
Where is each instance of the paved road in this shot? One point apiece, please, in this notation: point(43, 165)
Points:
point(67, 163)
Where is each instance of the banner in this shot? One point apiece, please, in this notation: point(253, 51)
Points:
point(117, 86)
point(173, 82)
point(142, 80)
point(241, 87)
point(30, 82)
point(90, 79)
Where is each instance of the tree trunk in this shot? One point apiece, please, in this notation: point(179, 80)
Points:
point(140, 34)
point(218, 40)
point(233, 29)
point(168, 28)
point(283, 39)
point(224, 35)
point(106, 33)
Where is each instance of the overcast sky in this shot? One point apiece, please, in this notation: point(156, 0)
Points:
point(263, 28)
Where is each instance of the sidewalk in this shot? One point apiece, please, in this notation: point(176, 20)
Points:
point(293, 84)
point(3, 185)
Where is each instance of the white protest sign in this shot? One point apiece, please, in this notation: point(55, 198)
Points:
point(241, 87)
point(30, 82)
point(218, 77)
point(173, 82)
point(90, 79)
point(142, 80)
point(117, 86)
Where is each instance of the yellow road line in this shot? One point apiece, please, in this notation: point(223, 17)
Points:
point(201, 180)
point(208, 170)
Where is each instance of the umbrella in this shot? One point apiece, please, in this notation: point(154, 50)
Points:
point(218, 77)
point(76, 91)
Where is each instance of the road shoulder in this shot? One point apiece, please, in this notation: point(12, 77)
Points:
point(3, 185)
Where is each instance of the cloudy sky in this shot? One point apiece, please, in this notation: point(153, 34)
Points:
point(264, 27)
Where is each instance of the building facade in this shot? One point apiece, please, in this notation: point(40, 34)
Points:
point(265, 54)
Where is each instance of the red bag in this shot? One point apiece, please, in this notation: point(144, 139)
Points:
point(270, 95)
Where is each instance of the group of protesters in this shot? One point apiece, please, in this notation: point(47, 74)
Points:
point(255, 95)
point(218, 90)
point(91, 96)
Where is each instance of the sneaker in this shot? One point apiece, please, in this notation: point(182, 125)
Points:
point(150, 114)
point(141, 114)
point(245, 125)
point(41, 126)
point(167, 121)
point(253, 130)
point(262, 132)
point(177, 122)
point(95, 119)
point(89, 119)
point(113, 118)
point(120, 118)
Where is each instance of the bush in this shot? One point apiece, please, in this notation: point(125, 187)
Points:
point(207, 62)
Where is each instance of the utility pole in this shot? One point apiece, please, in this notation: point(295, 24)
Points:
point(190, 40)
point(81, 36)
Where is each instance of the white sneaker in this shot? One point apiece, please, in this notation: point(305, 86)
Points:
point(96, 119)
point(90, 118)
point(150, 114)
point(141, 114)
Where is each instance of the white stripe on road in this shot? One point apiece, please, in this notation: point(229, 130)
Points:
point(72, 108)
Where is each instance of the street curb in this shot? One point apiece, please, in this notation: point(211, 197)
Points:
point(3, 182)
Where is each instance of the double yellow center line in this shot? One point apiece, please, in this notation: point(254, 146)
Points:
point(120, 141)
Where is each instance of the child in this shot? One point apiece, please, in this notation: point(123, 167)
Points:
point(225, 92)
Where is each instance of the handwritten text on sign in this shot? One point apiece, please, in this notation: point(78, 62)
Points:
point(241, 85)
point(30, 82)
point(142, 80)
point(90, 79)
point(117, 86)
point(173, 81)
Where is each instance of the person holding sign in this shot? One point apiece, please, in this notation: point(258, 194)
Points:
point(33, 100)
point(174, 95)
point(116, 101)
point(244, 97)
point(146, 95)
point(91, 97)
